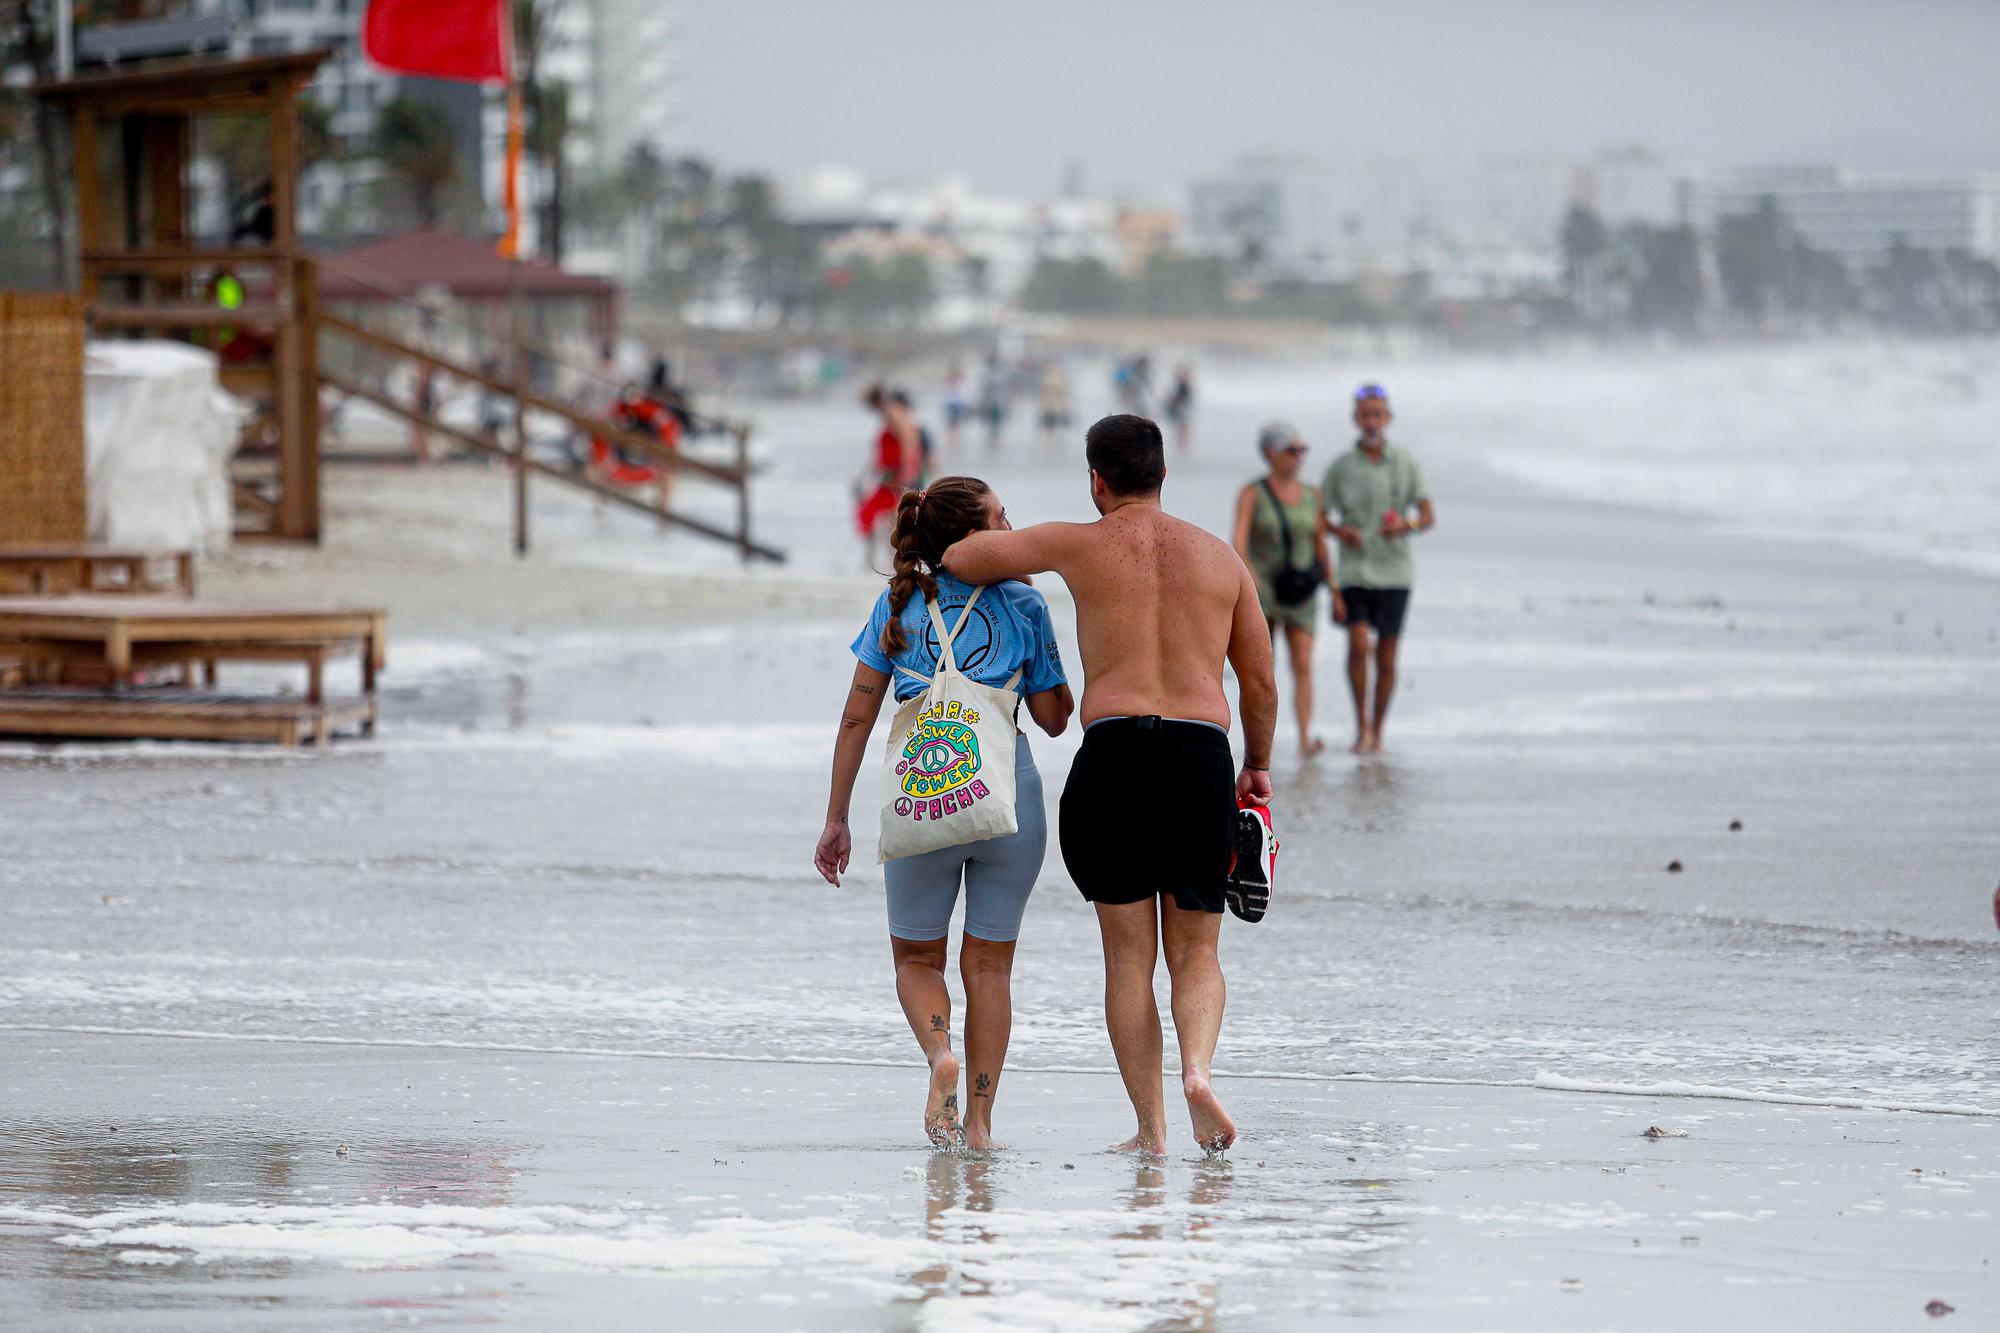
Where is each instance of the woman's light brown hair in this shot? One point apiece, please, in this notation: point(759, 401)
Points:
point(927, 522)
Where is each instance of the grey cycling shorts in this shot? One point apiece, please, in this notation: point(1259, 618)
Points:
point(998, 873)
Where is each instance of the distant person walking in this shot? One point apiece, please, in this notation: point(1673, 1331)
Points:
point(1279, 536)
point(895, 465)
point(1374, 500)
point(995, 391)
point(997, 635)
point(1149, 813)
point(957, 406)
point(1180, 407)
point(1132, 385)
point(1054, 392)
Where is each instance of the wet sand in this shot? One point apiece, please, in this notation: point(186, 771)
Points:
point(188, 1184)
point(484, 947)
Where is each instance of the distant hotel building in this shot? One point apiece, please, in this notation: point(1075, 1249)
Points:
point(1858, 217)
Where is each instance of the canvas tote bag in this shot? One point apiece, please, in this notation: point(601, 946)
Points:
point(948, 771)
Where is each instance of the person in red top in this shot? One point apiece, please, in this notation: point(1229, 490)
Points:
point(896, 467)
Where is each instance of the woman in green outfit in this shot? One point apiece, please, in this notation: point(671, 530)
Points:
point(1279, 536)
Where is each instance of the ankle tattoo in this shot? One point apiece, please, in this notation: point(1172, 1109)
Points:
point(983, 1086)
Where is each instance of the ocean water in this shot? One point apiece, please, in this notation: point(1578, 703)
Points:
point(1888, 447)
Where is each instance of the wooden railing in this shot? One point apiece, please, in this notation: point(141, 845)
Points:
point(670, 462)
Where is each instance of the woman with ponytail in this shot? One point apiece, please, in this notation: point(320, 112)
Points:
point(1007, 630)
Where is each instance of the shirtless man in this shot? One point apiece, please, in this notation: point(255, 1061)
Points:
point(1149, 809)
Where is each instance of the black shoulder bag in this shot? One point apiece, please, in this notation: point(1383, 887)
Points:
point(1294, 586)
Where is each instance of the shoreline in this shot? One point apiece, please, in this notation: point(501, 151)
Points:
point(1542, 1082)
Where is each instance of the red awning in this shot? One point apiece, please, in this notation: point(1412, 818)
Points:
point(466, 267)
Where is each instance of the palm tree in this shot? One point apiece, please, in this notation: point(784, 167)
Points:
point(317, 141)
point(546, 107)
point(548, 127)
point(783, 259)
point(414, 142)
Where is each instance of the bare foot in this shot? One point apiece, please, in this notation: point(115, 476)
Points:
point(941, 1107)
point(1213, 1129)
point(1145, 1145)
point(1360, 745)
point(1311, 745)
point(981, 1137)
point(1375, 745)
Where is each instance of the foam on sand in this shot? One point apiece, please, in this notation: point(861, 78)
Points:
point(387, 1235)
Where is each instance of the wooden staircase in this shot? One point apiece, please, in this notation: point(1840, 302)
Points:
point(384, 352)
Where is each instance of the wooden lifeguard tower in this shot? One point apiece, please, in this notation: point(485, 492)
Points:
point(251, 297)
point(254, 298)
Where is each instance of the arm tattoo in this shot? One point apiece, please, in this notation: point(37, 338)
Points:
point(864, 689)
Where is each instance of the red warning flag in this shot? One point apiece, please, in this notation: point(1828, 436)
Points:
point(464, 40)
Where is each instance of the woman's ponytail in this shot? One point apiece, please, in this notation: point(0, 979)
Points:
point(927, 522)
point(908, 574)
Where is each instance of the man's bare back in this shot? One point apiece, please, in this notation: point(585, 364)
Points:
point(1160, 604)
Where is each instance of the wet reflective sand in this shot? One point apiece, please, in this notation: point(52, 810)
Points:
point(480, 1189)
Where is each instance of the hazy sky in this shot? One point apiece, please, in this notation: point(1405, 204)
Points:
point(1144, 95)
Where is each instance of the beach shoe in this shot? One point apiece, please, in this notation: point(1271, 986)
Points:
point(1255, 869)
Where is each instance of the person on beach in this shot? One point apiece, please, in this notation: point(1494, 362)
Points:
point(957, 406)
point(995, 398)
point(1373, 499)
point(1151, 802)
point(1180, 407)
point(1053, 390)
point(1007, 630)
point(1279, 536)
point(896, 466)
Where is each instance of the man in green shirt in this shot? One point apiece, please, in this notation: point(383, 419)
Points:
point(1373, 500)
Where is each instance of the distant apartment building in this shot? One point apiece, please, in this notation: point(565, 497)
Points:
point(1473, 225)
point(1143, 233)
point(981, 247)
point(633, 79)
point(1858, 217)
point(1271, 210)
point(1636, 185)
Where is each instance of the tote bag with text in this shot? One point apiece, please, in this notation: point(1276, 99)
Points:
point(948, 771)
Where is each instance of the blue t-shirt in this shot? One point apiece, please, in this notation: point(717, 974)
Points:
point(1009, 628)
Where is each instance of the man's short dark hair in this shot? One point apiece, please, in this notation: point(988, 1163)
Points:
point(1128, 453)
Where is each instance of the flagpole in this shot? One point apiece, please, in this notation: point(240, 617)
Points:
point(511, 246)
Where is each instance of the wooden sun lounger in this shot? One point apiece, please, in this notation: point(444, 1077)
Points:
point(174, 714)
point(92, 567)
point(114, 636)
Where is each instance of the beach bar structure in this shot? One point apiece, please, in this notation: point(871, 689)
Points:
point(252, 299)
